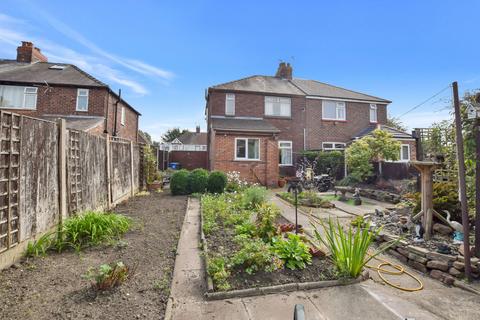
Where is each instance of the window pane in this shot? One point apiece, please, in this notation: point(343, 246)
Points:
point(12, 97)
point(82, 102)
point(339, 146)
point(230, 104)
point(277, 106)
point(241, 149)
point(30, 90)
point(329, 110)
point(285, 144)
point(30, 101)
point(327, 145)
point(253, 147)
point(285, 156)
point(340, 111)
point(405, 153)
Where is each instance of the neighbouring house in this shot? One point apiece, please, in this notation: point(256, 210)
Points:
point(189, 149)
point(30, 85)
point(258, 125)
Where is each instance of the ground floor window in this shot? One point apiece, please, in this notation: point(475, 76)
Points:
point(328, 146)
point(405, 152)
point(285, 151)
point(247, 149)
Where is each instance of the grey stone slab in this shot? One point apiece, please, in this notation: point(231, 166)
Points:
point(189, 259)
point(232, 309)
point(188, 284)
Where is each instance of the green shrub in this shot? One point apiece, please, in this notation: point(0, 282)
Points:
point(349, 181)
point(198, 181)
point(217, 269)
point(150, 164)
point(255, 255)
point(217, 181)
point(333, 160)
point(445, 197)
point(293, 251)
point(92, 228)
point(254, 196)
point(108, 276)
point(267, 214)
point(179, 182)
point(40, 246)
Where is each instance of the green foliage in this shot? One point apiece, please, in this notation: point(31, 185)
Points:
point(246, 228)
point(150, 164)
point(293, 251)
point(306, 198)
point(255, 255)
point(92, 228)
point(333, 160)
point(348, 248)
point(217, 269)
point(41, 246)
point(396, 123)
point(198, 181)
point(172, 134)
point(358, 222)
point(445, 197)
point(378, 146)
point(349, 181)
point(217, 181)
point(265, 221)
point(254, 196)
point(234, 182)
point(179, 182)
point(108, 276)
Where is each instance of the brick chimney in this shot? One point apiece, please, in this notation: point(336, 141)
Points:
point(198, 129)
point(284, 71)
point(28, 53)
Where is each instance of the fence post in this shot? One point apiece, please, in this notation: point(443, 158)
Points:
point(131, 169)
point(62, 169)
point(107, 166)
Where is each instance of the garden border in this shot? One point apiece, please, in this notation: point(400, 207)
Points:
point(250, 292)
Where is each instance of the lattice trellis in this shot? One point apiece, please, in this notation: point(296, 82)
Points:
point(74, 172)
point(10, 138)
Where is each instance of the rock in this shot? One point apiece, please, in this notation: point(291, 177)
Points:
point(455, 272)
point(397, 255)
point(442, 276)
point(441, 257)
point(449, 280)
point(461, 250)
point(437, 264)
point(417, 265)
point(404, 252)
point(418, 250)
point(417, 258)
point(459, 265)
point(442, 229)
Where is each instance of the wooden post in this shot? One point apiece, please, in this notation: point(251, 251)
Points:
point(109, 174)
point(461, 181)
point(62, 169)
point(427, 197)
point(132, 189)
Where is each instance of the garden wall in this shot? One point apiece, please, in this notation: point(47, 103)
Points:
point(48, 173)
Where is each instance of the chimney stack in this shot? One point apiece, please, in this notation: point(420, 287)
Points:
point(28, 53)
point(198, 129)
point(284, 71)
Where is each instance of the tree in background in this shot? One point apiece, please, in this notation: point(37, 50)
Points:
point(172, 134)
point(147, 136)
point(396, 123)
point(376, 147)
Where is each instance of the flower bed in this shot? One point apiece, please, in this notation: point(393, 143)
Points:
point(306, 199)
point(248, 246)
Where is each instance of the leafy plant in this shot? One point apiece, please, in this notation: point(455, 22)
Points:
point(445, 197)
point(234, 182)
point(217, 269)
point(349, 249)
point(358, 222)
point(179, 182)
point(255, 255)
point(108, 276)
point(293, 251)
point(246, 228)
point(325, 161)
point(217, 181)
point(198, 181)
point(265, 221)
point(41, 246)
point(150, 164)
point(254, 196)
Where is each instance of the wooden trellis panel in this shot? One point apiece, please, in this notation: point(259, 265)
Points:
point(9, 180)
point(74, 172)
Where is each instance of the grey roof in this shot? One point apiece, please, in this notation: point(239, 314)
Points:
point(398, 134)
point(77, 122)
point(40, 72)
point(193, 138)
point(316, 88)
point(263, 84)
point(269, 84)
point(243, 125)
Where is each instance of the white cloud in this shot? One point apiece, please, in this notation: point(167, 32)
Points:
point(425, 119)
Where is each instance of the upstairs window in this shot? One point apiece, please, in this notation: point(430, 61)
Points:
point(16, 97)
point(278, 106)
point(247, 149)
point(330, 146)
point(373, 113)
point(333, 110)
point(285, 151)
point(122, 116)
point(82, 100)
point(230, 104)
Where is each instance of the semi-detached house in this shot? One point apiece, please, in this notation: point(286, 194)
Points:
point(257, 125)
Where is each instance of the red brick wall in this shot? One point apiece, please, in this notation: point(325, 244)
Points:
point(130, 129)
point(264, 171)
point(189, 159)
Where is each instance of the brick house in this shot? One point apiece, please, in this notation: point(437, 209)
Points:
point(30, 85)
point(259, 124)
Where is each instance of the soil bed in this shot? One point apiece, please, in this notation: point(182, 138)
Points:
point(52, 287)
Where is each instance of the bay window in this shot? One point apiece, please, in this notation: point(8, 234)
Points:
point(247, 149)
point(18, 97)
point(285, 153)
point(278, 106)
point(333, 110)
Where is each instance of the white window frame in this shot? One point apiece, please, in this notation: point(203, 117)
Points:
point(339, 105)
point(230, 97)
point(25, 94)
point(122, 116)
point(246, 158)
point(82, 95)
point(333, 148)
point(373, 108)
point(291, 153)
point(272, 100)
point(401, 153)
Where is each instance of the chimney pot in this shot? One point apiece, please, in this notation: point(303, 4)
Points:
point(284, 71)
point(198, 129)
point(28, 53)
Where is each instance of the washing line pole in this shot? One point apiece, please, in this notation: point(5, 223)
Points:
point(461, 181)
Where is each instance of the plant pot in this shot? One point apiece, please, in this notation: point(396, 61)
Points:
point(281, 183)
point(154, 186)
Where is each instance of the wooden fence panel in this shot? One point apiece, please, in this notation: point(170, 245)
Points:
point(38, 188)
point(136, 166)
point(120, 168)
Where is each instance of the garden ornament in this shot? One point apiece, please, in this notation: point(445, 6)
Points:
point(356, 197)
point(457, 237)
point(454, 224)
point(419, 232)
point(444, 249)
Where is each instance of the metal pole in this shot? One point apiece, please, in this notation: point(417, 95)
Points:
point(461, 181)
point(296, 204)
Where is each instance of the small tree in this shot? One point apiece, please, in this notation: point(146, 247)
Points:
point(396, 123)
point(172, 134)
point(379, 146)
point(150, 164)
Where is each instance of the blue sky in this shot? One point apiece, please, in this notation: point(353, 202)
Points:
point(164, 54)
